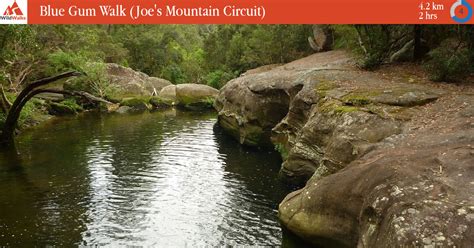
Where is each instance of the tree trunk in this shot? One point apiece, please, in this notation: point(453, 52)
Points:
point(6, 138)
point(5, 105)
point(417, 51)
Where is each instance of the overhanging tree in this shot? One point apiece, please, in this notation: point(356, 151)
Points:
point(25, 95)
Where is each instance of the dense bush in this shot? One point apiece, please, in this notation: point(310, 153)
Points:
point(449, 62)
point(218, 78)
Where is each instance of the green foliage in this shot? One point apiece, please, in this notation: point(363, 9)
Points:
point(237, 48)
point(30, 112)
point(375, 39)
point(449, 62)
point(280, 148)
point(158, 102)
point(209, 102)
point(134, 102)
point(71, 102)
point(345, 37)
point(173, 52)
point(218, 78)
point(94, 81)
point(64, 108)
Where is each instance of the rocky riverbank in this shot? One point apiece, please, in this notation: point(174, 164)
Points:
point(133, 92)
point(387, 158)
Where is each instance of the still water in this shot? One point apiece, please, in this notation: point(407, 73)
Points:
point(156, 179)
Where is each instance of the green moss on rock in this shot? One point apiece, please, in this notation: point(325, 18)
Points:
point(336, 107)
point(323, 87)
point(356, 100)
point(136, 103)
point(61, 109)
point(158, 102)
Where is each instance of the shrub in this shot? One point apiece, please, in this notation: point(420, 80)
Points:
point(449, 62)
point(95, 81)
point(219, 78)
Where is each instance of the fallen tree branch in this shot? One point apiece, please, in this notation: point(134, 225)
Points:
point(83, 94)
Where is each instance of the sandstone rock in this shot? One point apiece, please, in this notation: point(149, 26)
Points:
point(250, 106)
point(330, 124)
point(376, 179)
point(156, 102)
point(192, 96)
point(260, 69)
point(320, 112)
point(411, 191)
point(168, 95)
point(134, 82)
point(195, 95)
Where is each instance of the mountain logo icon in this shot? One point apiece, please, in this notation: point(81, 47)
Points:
point(13, 10)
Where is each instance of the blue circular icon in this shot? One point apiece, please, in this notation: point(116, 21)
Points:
point(468, 7)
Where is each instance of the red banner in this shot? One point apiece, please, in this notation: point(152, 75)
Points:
point(237, 12)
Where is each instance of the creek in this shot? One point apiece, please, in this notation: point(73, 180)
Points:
point(168, 178)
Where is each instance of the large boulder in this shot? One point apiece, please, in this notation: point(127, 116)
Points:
point(252, 105)
point(192, 96)
point(412, 190)
point(320, 112)
point(168, 95)
point(389, 159)
point(133, 82)
point(339, 116)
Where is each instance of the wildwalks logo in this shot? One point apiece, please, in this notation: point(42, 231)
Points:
point(14, 11)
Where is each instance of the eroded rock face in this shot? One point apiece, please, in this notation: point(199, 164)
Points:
point(412, 190)
point(320, 112)
point(339, 116)
point(252, 105)
point(134, 82)
point(390, 163)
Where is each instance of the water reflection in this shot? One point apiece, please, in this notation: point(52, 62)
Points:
point(168, 179)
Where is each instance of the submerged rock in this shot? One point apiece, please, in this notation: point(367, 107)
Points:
point(123, 110)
